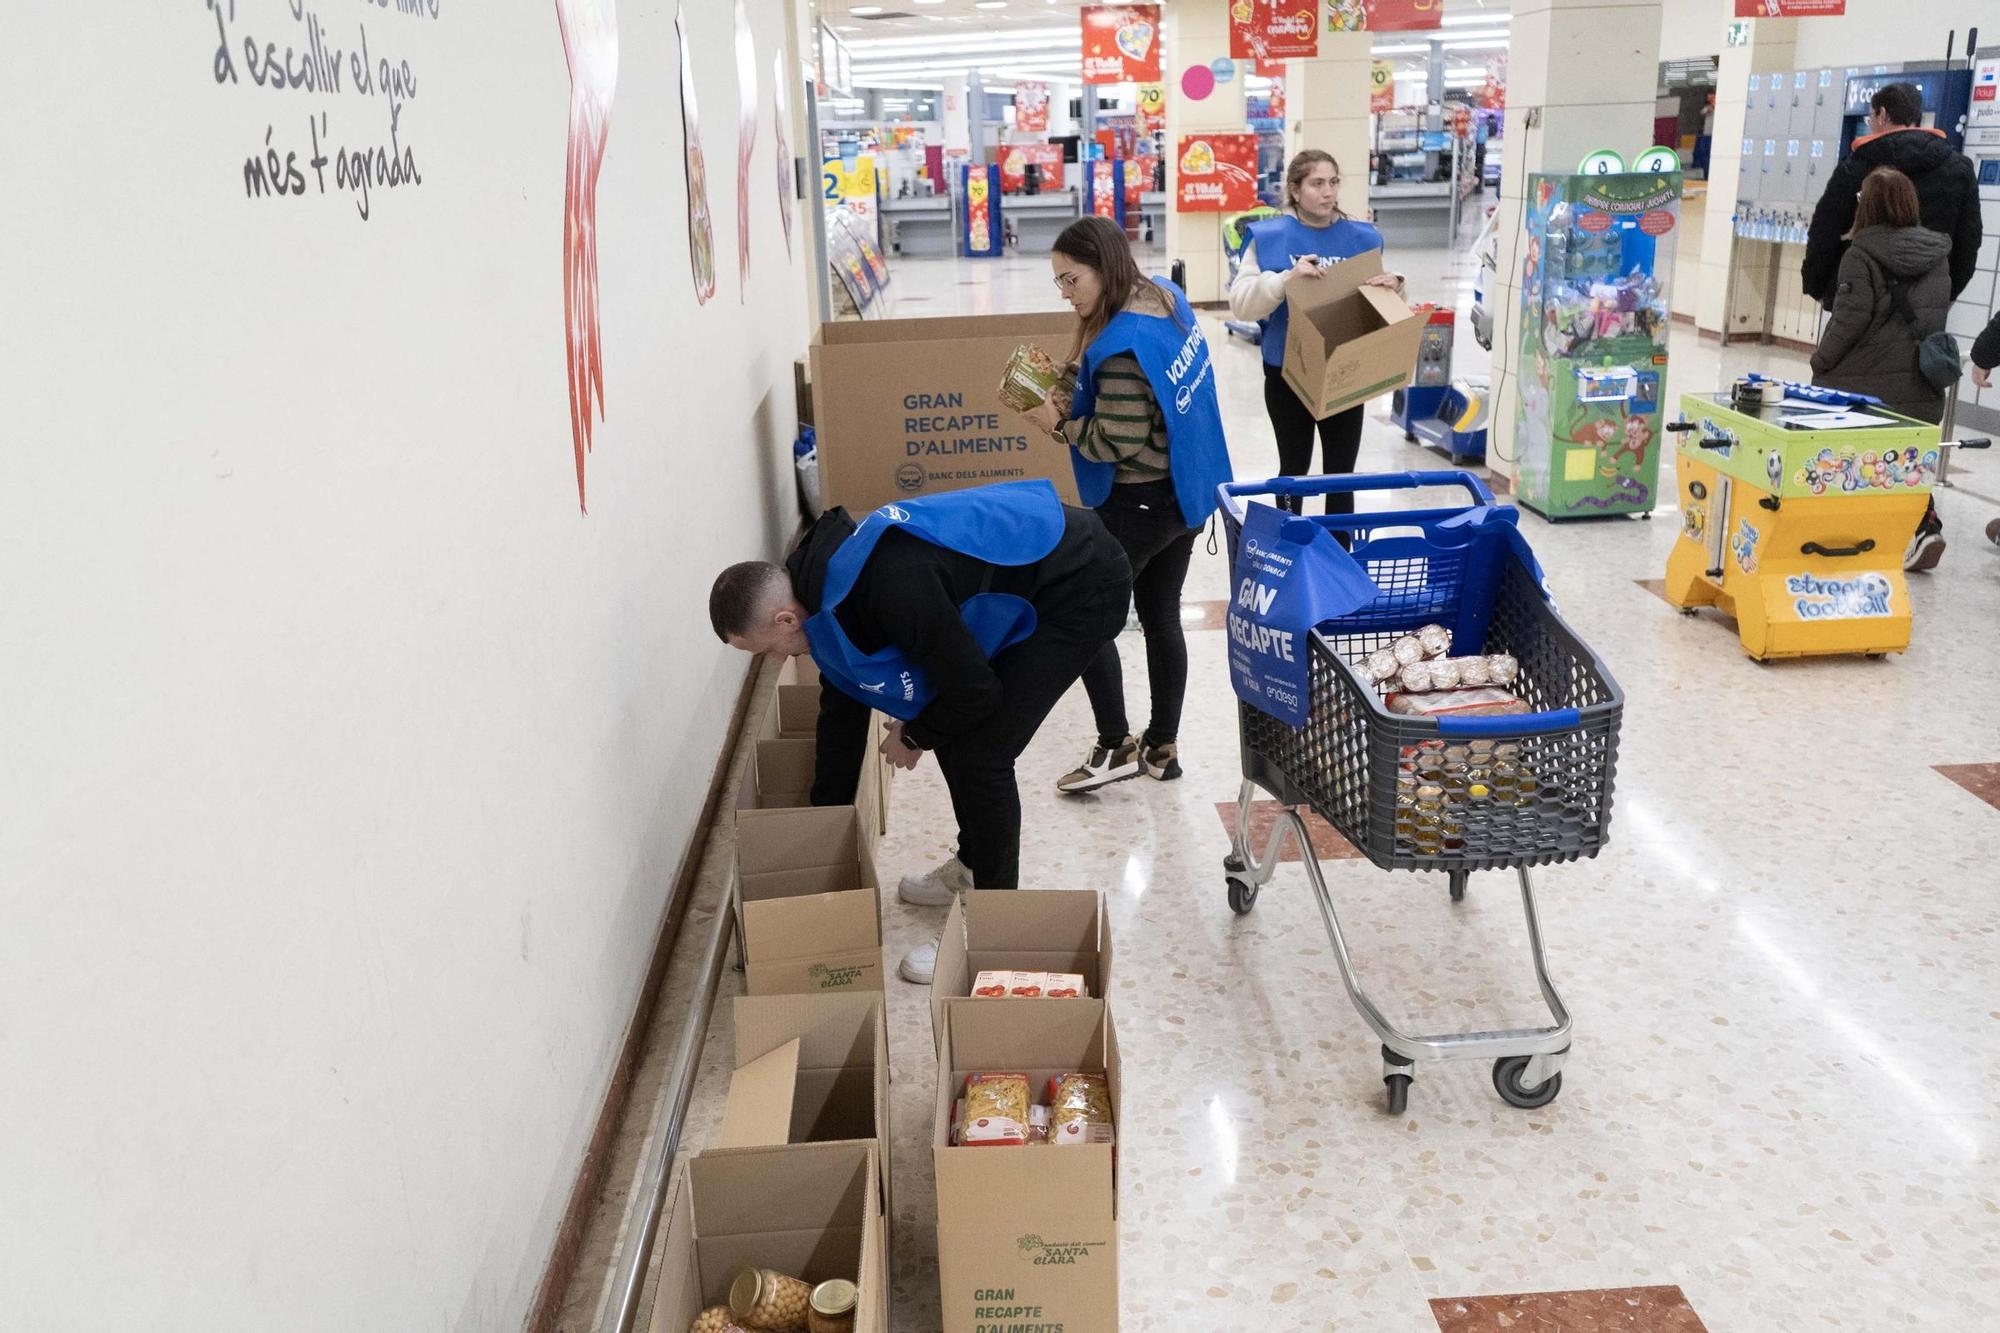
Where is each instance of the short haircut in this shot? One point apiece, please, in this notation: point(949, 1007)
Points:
point(740, 592)
point(1900, 102)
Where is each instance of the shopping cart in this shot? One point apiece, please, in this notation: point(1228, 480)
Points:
point(1444, 794)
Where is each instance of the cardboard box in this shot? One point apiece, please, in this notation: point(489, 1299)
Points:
point(912, 407)
point(808, 900)
point(1027, 1235)
point(795, 716)
point(1346, 342)
point(811, 1210)
point(1025, 930)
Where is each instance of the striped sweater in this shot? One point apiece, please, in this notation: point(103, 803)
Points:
point(1129, 429)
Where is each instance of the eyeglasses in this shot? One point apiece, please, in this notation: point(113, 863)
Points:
point(1066, 282)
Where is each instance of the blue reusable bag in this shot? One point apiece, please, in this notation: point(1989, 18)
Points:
point(1291, 574)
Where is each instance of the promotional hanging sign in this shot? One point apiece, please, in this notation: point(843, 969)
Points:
point(701, 231)
point(1107, 187)
point(746, 141)
point(1031, 108)
point(1382, 86)
point(1383, 15)
point(1014, 160)
point(1153, 106)
point(1273, 31)
point(1291, 574)
point(1790, 9)
point(781, 115)
point(1218, 173)
point(1121, 43)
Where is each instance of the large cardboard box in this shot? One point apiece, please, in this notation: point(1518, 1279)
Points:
point(795, 716)
point(1346, 342)
point(811, 1069)
point(1030, 930)
point(809, 901)
point(911, 407)
point(811, 1210)
point(1027, 1236)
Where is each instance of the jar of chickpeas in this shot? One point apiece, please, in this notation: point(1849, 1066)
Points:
point(832, 1307)
point(771, 1302)
point(717, 1320)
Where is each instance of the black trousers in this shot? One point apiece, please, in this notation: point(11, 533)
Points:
point(978, 766)
point(1292, 421)
point(1145, 518)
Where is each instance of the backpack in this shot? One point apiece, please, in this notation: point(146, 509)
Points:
point(1938, 358)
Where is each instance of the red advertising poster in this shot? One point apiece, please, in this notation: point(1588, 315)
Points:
point(1273, 31)
point(1218, 173)
point(1104, 188)
point(1278, 98)
point(1121, 43)
point(1789, 9)
point(1031, 108)
point(590, 43)
point(1014, 160)
point(1383, 15)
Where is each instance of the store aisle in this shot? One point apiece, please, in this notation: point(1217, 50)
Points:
point(1782, 972)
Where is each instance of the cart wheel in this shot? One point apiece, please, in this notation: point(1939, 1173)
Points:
point(1458, 878)
point(1507, 1082)
point(1687, 611)
point(1242, 896)
point(1234, 864)
point(1399, 1093)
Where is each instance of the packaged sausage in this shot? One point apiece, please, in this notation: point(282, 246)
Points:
point(1436, 640)
point(1416, 677)
point(1408, 649)
point(1505, 668)
point(1444, 674)
point(1382, 665)
point(1474, 671)
point(1456, 703)
point(996, 1111)
point(1080, 1110)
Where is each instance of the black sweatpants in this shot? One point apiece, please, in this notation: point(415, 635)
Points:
point(1146, 519)
point(978, 766)
point(1292, 422)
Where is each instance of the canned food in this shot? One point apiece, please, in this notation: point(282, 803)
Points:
point(831, 1309)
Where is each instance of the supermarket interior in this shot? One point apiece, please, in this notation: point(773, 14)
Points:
point(1262, 665)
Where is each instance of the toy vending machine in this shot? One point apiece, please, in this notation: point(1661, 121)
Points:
point(1594, 317)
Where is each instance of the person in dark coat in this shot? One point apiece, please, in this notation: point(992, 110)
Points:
point(1894, 291)
point(1947, 191)
point(1985, 356)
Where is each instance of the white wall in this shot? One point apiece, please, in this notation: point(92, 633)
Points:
point(1693, 28)
point(344, 764)
point(1888, 30)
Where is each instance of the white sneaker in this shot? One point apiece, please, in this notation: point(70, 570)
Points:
point(937, 888)
point(920, 964)
point(1103, 767)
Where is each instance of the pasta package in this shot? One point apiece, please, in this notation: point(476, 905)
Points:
point(1080, 1110)
point(1032, 377)
point(997, 1111)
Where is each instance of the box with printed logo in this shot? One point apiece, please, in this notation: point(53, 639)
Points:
point(1027, 1234)
point(1062, 931)
point(808, 899)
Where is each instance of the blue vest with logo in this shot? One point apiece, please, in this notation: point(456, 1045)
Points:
point(1281, 240)
point(1174, 357)
point(1012, 523)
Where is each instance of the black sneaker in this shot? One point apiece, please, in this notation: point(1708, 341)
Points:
point(1104, 767)
point(1924, 552)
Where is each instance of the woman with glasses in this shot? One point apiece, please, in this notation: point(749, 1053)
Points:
point(1298, 246)
point(1145, 433)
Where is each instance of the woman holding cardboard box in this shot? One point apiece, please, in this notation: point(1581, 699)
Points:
point(1145, 432)
point(1298, 246)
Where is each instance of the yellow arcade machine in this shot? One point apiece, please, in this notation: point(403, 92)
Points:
point(1796, 504)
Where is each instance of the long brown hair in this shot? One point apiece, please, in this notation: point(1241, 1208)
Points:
point(1301, 166)
point(1099, 244)
point(1888, 199)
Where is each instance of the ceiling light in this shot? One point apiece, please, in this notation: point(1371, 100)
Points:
point(930, 2)
point(989, 4)
point(1475, 44)
point(865, 11)
point(1458, 20)
point(1403, 49)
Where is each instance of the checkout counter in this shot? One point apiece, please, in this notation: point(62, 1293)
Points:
point(1796, 504)
point(922, 225)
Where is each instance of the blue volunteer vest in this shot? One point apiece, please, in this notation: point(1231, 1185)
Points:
point(1176, 363)
point(1281, 240)
point(1012, 523)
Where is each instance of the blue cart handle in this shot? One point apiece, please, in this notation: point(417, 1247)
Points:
point(1347, 483)
point(1512, 724)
